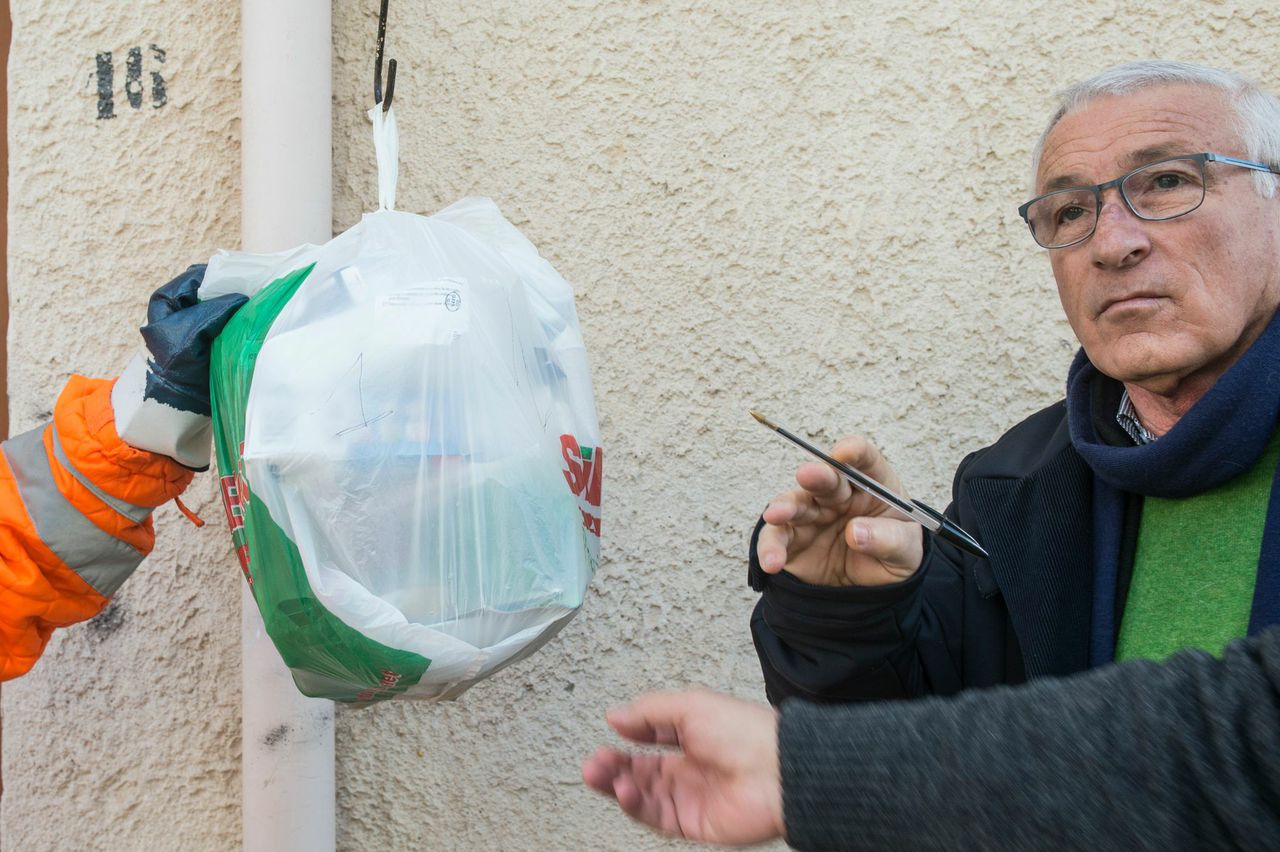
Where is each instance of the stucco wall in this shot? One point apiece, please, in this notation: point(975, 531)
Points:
point(126, 735)
point(807, 208)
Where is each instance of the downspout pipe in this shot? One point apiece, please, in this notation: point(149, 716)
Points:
point(286, 200)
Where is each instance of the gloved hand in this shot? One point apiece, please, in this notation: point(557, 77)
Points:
point(179, 335)
point(161, 400)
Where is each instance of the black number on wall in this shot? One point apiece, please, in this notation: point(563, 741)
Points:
point(134, 88)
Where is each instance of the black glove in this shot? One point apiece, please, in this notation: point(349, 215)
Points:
point(179, 334)
point(161, 401)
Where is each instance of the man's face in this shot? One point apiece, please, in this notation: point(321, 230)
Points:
point(1156, 303)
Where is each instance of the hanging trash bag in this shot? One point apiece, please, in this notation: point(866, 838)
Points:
point(408, 449)
point(407, 442)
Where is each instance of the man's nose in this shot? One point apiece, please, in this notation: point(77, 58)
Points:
point(1120, 238)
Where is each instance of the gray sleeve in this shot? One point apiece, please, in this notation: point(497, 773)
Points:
point(1180, 755)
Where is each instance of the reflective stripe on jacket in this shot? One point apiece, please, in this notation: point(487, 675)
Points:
point(75, 519)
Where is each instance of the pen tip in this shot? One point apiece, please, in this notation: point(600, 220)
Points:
point(760, 417)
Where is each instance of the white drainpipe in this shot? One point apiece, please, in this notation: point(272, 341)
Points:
point(286, 200)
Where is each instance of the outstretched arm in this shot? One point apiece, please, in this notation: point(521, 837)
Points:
point(1139, 755)
point(721, 786)
point(76, 494)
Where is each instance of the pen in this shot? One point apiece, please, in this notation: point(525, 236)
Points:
point(929, 518)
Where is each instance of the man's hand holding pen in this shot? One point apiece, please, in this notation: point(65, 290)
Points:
point(827, 533)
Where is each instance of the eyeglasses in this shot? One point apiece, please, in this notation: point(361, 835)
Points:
point(1155, 192)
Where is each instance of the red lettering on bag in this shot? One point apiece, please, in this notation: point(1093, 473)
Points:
point(231, 502)
point(573, 462)
point(235, 499)
point(593, 488)
point(389, 680)
point(584, 476)
point(242, 484)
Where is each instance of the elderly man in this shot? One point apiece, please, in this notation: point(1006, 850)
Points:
point(1166, 251)
point(1135, 518)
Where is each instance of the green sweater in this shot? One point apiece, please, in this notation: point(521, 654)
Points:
point(1195, 566)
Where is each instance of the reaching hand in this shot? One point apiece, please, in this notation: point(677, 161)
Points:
point(179, 335)
point(723, 785)
point(161, 400)
point(828, 533)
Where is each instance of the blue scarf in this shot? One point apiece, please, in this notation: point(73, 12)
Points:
point(1220, 438)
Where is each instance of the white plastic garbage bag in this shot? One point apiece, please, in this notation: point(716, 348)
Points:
point(410, 458)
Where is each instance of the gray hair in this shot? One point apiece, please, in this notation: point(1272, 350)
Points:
point(1257, 119)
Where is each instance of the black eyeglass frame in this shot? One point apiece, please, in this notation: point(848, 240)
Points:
point(1118, 183)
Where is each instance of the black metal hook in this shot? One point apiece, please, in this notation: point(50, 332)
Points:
point(377, 64)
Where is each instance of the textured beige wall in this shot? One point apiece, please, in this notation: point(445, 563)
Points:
point(806, 208)
point(809, 208)
point(126, 735)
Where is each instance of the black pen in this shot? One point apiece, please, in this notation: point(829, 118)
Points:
point(929, 518)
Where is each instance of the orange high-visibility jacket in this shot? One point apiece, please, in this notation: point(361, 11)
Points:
point(75, 519)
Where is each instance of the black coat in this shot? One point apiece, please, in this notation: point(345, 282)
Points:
point(959, 621)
